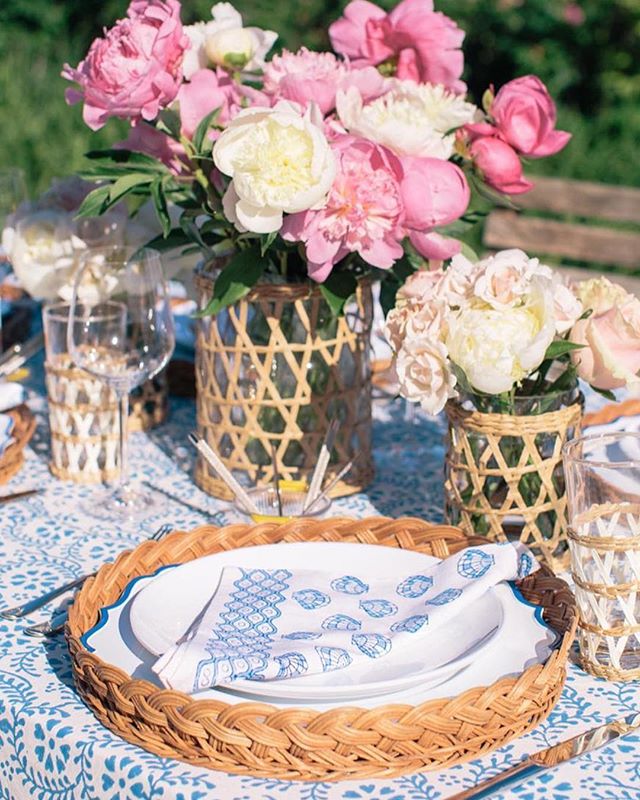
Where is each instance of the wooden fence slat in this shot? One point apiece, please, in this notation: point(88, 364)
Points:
point(582, 199)
point(577, 242)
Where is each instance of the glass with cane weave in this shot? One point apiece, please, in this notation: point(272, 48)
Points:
point(603, 486)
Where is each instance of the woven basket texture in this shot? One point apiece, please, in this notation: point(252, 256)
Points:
point(532, 499)
point(13, 457)
point(276, 367)
point(301, 743)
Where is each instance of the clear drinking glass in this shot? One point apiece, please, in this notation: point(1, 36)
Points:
point(124, 353)
point(603, 492)
point(13, 191)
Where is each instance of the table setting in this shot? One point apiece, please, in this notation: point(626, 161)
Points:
point(301, 496)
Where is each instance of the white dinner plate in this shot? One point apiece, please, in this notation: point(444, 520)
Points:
point(164, 610)
point(523, 640)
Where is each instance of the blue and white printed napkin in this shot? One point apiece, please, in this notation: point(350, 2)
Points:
point(6, 429)
point(270, 624)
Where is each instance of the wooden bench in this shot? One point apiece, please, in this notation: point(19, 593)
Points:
point(572, 238)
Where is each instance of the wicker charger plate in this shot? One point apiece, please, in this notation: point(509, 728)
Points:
point(301, 743)
point(13, 457)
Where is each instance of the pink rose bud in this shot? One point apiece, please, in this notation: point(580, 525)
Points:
point(135, 69)
point(525, 116)
point(499, 165)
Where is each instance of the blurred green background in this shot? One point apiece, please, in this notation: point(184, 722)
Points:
point(586, 51)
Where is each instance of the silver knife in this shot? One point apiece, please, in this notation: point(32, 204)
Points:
point(19, 354)
point(563, 751)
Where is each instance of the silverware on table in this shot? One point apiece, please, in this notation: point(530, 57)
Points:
point(18, 355)
point(30, 606)
point(7, 498)
point(325, 492)
point(546, 759)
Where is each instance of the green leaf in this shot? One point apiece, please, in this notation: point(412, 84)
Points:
point(94, 203)
point(203, 127)
point(235, 281)
point(127, 183)
point(468, 252)
point(160, 205)
point(605, 393)
point(176, 238)
point(561, 348)
point(337, 290)
point(128, 157)
point(266, 241)
point(170, 123)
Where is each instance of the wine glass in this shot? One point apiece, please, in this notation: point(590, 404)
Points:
point(121, 331)
point(13, 192)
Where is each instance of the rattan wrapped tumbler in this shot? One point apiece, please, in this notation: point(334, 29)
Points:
point(276, 367)
point(503, 474)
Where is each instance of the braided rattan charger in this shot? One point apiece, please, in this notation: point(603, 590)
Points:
point(24, 425)
point(301, 743)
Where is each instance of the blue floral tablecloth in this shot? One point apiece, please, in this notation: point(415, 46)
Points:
point(51, 746)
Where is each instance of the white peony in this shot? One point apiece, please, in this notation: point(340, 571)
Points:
point(44, 251)
point(497, 349)
point(279, 160)
point(424, 375)
point(225, 42)
point(411, 119)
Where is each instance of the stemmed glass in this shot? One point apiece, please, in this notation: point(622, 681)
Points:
point(121, 331)
point(13, 192)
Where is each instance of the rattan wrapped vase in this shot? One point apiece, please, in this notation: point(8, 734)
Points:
point(276, 367)
point(503, 473)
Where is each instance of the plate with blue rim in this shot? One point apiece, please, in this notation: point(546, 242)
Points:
point(156, 611)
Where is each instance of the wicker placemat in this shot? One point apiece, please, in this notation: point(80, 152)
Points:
point(301, 743)
point(24, 426)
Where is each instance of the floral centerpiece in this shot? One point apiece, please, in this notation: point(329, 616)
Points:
point(500, 344)
point(311, 170)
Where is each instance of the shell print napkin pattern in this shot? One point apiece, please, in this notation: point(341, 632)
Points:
point(273, 624)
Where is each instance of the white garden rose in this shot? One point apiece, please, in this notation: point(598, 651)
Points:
point(424, 375)
point(225, 42)
point(411, 119)
point(279, 160)
point(497, 349)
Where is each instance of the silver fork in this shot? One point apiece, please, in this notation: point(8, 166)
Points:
point(56, 623)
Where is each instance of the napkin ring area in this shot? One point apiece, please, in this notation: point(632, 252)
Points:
point(297, 743)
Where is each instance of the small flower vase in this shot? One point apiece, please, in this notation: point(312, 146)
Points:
point(275, 368)
point(503, 469)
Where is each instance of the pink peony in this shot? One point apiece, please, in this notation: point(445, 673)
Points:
point(362, 213)
point(499, 165)
point(424, 45)
point(434, 193)
point(306, 77)
point(144, 138)
point(524, 116)
point(206, 91)
point(135, 69)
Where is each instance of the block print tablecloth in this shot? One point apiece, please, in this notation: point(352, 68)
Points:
point(52, 748)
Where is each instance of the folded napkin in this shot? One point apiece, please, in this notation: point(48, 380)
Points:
point(270, 624)
point(11, 395)
point(6, 429)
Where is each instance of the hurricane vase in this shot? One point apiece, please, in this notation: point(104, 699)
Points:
point(503, 471)
point(277, 367)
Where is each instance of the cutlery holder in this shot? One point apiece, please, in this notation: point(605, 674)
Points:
point(300, 743)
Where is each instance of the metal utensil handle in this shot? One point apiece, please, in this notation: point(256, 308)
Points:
point(52, 627)
point(510, 777)
point(33, 605)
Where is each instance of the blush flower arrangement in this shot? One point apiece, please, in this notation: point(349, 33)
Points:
point(321, 166)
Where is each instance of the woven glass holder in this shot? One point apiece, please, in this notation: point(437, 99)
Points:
point(24, 425)
point(276, 367)
point(287, 743)
point(504, 479)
